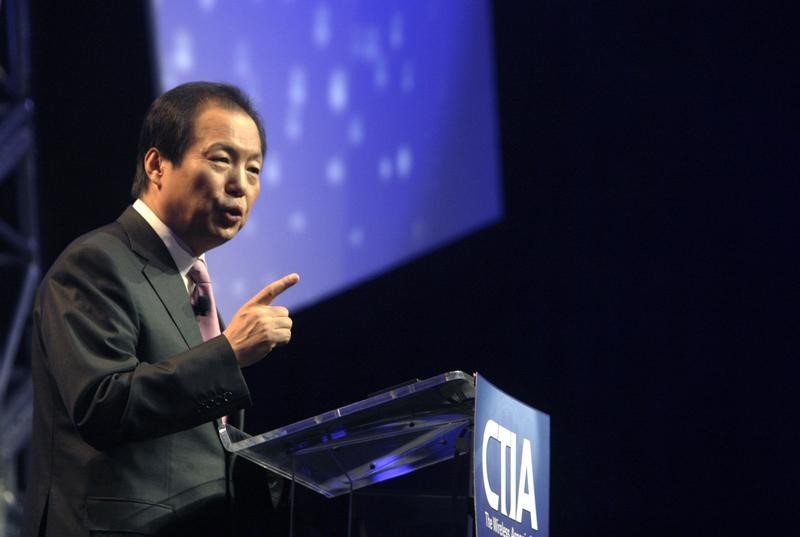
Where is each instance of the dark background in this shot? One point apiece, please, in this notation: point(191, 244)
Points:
point(634, 290)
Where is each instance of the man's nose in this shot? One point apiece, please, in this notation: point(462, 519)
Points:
point(237, 181)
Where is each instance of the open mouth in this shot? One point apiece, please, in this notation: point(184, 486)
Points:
point(233, 212)
point(231, 215)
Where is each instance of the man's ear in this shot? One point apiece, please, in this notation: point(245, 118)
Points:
point(154, 166)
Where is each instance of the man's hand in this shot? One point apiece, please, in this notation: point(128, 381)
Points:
point(258, 326)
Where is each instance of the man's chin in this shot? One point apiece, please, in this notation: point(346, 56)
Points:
point(226, 233)
point(217, 237)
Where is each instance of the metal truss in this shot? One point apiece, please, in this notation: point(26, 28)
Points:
point(19, 257)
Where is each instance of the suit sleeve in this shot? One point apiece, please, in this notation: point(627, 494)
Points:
point(89, 326)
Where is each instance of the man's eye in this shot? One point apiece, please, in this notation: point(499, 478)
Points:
point(254, 170)
point(221, 159)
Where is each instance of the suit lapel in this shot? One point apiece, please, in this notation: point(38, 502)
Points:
point(162, 274)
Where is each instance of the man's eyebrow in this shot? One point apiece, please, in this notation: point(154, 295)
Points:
point(231, 149)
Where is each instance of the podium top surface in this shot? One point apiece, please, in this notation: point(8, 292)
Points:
point(391, 433)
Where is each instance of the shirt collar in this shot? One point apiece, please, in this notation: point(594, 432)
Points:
point(183, 259)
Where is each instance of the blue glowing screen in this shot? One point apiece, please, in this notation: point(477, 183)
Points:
point(381, 127)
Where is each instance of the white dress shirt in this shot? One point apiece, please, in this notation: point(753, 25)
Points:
point(180, 254)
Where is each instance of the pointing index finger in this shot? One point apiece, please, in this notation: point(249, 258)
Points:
point(271, 291)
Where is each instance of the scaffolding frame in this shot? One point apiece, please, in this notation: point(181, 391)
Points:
point(20, 259)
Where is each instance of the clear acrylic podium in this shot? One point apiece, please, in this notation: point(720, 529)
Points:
point(387, 435)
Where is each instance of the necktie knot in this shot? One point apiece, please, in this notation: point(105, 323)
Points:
point(199, 272)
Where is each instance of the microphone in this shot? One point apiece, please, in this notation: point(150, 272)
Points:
point(202, 305)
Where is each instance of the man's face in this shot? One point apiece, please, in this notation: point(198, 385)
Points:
point(207, 198)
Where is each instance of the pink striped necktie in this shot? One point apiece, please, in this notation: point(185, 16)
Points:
point(207, 320)
point(206, 314)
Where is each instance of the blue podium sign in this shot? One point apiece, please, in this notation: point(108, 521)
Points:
point(512, 466)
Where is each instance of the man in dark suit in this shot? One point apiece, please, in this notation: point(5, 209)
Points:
point(128, 395)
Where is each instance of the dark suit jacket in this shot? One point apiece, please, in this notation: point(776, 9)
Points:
point(126, 394)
